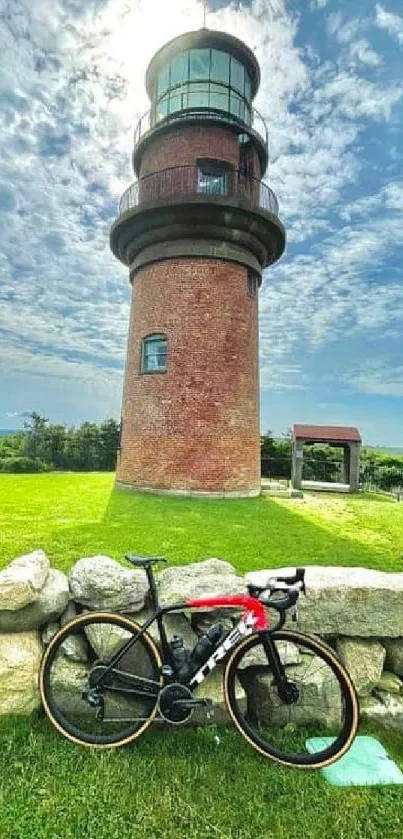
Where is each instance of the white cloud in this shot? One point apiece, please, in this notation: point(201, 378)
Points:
point(318, 299)
point(390, 21)
point(381, 377)
point(344, 30)
point(362, 51)
point(278, 375)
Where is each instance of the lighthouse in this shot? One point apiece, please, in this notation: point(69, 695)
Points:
point(195, 230)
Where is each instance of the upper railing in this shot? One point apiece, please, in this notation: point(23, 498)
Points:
point(252, 119)
point(184, 181)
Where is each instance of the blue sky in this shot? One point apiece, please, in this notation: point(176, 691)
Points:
point(331, 311)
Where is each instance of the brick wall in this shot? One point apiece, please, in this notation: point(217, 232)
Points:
point(182, 146)
point(196, 426)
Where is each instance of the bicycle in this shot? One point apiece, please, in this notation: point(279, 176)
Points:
point(103, 679)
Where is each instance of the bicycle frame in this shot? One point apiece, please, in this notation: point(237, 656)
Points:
point(254, 619)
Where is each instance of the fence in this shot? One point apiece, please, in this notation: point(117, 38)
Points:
point(372, 478)
point(381, 478)
point(315, 470)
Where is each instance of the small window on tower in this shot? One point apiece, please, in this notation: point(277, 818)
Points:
point(252, 283)
point(154, 354)
point(212, 177)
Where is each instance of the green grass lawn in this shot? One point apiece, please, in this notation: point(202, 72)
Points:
point(180, 784)
point(177, 785)
point(75, 515)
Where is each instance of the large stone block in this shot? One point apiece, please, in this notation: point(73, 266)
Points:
point(48, 606)
point(389, 683)
point(101, 583)
point(347, 601)
point(22, 580)
point(20, 657)
point(363, 661)
point(384, 709)
point(394, 655)
point(208, 578)
point(212, 688)
point(320, 698)
point(70, 681)
point(175, 623)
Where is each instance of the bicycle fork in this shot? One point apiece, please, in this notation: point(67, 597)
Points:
point(286, 689)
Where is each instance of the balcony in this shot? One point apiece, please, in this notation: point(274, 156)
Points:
point(252, 120)
point(204, 210)
point(180, 182)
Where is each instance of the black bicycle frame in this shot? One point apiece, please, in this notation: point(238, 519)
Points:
point(231, 639)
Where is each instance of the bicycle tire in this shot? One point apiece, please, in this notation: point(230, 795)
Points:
point(80, 640)
point(245, 714)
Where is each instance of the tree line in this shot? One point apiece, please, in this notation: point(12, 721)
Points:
point(90, 447)
point(43, 446)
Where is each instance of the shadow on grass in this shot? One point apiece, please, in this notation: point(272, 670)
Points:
point(249, 533)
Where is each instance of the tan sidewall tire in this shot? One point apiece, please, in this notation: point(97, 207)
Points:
point(129, 624)
point(338, 665)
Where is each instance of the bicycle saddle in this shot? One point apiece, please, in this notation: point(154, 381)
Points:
point(143, 561)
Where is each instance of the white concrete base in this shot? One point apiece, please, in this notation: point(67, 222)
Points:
point(324, 486)
point(282, 493)
point(189, 493)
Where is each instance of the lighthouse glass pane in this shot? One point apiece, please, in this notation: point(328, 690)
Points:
point(178, 99)
point(163, 80)
point(198, 96)
point(161, 110)
point(154, 354)
point(219, 97)
point(237, 75)
point(180, 69)
point(248, 86)
point(237, 107)
point(219, 66)
point(199, 64)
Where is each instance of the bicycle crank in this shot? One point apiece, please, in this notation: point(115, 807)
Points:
point(176, 703)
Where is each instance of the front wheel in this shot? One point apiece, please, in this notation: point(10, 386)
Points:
point(89, 701)
point(318, 699)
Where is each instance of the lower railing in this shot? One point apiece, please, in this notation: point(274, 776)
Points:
point(183, 181)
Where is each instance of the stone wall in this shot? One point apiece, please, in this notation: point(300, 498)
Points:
point(357, 611)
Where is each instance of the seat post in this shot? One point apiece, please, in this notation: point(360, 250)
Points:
point(152, 585)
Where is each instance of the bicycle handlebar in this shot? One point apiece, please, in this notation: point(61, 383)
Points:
point(293, 585)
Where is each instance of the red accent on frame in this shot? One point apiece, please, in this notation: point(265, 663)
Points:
point(250, 603)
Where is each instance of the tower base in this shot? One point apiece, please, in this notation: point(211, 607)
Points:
point(190, 493)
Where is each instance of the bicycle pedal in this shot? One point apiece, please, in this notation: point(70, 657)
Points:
point(192, 703)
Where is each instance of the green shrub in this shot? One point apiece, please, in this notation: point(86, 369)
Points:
point(23, 464)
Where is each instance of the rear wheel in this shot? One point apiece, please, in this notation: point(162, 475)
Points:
point(318, 700)
point(85, 701)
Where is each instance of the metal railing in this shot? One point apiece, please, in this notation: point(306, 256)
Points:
point(381, 478)
point(184, 181)
point(373, 478)
point(275, 468)
point(151, 119)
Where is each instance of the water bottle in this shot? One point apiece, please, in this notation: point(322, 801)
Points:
point(205, 645)
point(180, 656)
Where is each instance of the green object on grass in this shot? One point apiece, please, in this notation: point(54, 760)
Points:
point(365, 764)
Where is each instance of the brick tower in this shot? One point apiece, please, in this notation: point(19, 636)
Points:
point(195, 230)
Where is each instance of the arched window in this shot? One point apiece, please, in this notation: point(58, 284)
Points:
point(154, 354)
